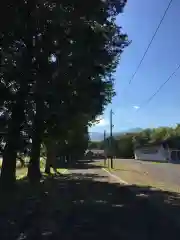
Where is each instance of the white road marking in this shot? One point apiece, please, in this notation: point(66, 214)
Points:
point(122, 181)
point(116, 177)
point(126, 183)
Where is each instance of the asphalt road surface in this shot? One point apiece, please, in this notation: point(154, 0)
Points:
point(110, 210)
point(160, 175)
point(86, 203)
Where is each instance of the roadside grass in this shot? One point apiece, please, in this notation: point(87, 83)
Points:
point(27, 199)
point(21, 172)
point(31, 208)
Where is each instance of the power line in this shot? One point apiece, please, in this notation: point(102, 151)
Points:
point(159, 89)
point(157, 29)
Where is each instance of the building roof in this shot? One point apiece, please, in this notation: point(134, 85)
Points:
point(148, 145)
point(172, 142)
point(95, 151)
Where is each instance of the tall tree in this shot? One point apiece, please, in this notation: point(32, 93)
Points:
point(58, 70)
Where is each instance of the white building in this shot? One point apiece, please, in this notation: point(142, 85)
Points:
point(95, 153)
point(157, 152)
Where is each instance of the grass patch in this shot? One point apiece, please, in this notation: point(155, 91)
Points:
point(21, 172)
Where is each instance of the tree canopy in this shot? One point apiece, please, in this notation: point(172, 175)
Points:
point(124, 144)
point(57, 65)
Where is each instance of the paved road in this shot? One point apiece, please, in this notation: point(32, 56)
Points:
point(113, 211)
point(164, 172)
point(162, 175)
point(86, 203)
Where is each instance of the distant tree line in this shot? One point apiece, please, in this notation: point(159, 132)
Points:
point(124, 144)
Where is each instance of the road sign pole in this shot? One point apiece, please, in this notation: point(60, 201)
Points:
point(111, 127)
point(105, 148)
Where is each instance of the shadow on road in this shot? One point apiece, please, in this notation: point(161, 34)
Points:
point(80, 206)
point(80, 164)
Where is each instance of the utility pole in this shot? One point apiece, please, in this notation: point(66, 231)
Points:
point(111, 136)
point(105, 148)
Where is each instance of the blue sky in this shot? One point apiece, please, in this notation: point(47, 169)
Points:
point(139, 21)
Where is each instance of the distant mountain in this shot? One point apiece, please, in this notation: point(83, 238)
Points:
point(133, 130)
point(98, 136)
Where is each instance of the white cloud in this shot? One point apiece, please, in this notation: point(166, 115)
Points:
point(136, 107)
point(101, 122)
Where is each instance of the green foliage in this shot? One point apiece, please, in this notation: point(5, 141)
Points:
point(57, 65)
point(124, 147)
point(124, 144)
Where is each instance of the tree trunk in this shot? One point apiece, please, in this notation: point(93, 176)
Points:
point(51, 156)
point(8, 171)
point(34, 173)
point(22, 162)
point(48, 160)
